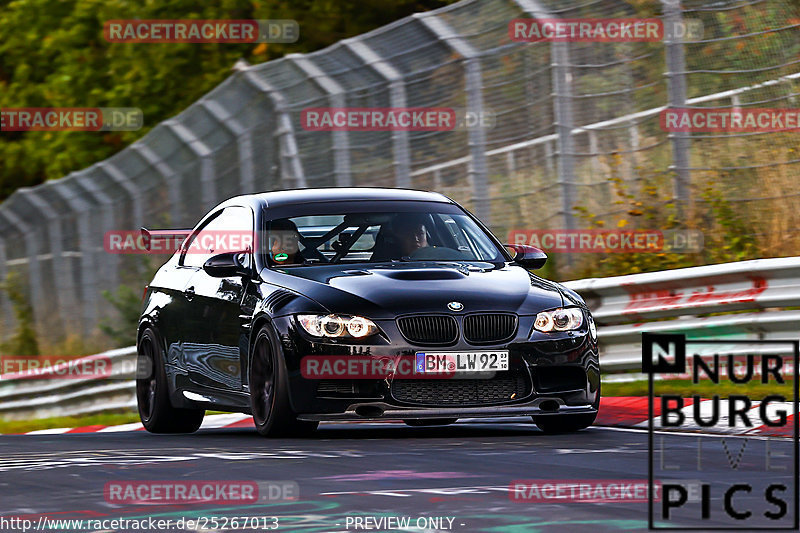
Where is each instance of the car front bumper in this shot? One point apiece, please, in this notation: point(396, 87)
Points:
point(561, 376)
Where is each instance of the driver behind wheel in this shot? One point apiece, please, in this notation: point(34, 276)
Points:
point(410, 232)
point(283, 243)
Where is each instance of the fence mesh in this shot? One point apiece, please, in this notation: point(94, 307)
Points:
point(576, 132)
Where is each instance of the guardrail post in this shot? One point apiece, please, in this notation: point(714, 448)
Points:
point(676, 86)
point(478, 172)
point(336, 96)
point(292, 174)
point(397, 97)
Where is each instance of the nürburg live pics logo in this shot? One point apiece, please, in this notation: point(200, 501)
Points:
point(722, 433)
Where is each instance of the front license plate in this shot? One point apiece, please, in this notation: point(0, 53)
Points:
point(456, 362)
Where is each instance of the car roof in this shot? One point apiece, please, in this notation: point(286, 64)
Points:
point(339, 194)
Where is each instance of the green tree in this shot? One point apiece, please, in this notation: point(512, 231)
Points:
point(53, 54)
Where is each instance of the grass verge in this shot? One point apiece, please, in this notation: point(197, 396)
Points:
point(101, 419)
point(705, 389)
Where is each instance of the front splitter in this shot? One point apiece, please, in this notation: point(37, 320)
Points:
point(384, 411)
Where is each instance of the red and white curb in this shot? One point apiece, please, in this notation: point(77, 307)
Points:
point(622, 411)
point(633, 412)
point(225, 421)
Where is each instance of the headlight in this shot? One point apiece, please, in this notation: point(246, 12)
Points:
point(559, 320)
point(337, 326)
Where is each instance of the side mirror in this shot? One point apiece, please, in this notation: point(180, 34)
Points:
point(226, 265)
point(528, 256)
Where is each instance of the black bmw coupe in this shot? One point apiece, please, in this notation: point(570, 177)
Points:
point(315, 305)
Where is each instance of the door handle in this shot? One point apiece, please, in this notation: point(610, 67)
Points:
point(190, 293)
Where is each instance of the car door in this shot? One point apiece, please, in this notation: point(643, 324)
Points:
point(213, 326)
point(167, 306)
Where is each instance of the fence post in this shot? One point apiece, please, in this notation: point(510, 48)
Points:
point(203, 154)
point(633, 132)
point(511, 164)
point(133, 192)
point(562, 112)
point(34, 269)
point(478, 172)
point(244, 147)
point(397, 97)
point(549, 155)
point(167, 176)
point(90, 269)
point(291, 167)
point(5, 303)
point(110, 261)
point(562, 103)
point(336, 96)
point(594, 150)
point(676, 86)
point(64, 302)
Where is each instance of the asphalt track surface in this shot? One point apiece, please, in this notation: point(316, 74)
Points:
point(383, 470)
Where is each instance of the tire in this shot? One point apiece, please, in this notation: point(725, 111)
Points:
point(269, 392)
point(152, 393)
point(422, 422)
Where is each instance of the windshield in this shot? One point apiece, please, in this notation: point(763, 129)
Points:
point(377, 237)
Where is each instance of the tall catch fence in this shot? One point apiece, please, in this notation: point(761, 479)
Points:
point(575, 124)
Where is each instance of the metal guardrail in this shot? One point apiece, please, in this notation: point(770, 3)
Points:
point(748, 300)
point(565, 117)
point(22, 399)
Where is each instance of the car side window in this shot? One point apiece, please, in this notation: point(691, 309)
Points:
point(230, 231)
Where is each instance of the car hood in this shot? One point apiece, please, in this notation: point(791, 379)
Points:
point(388, 290)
